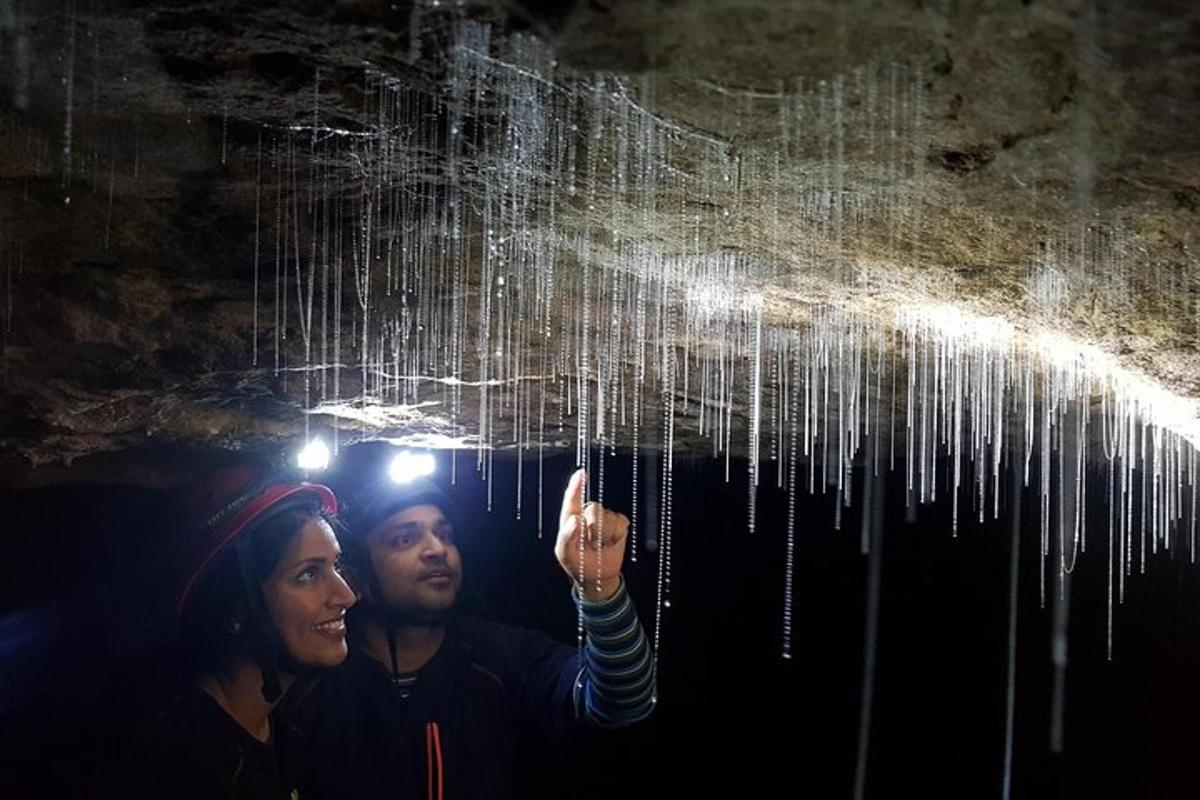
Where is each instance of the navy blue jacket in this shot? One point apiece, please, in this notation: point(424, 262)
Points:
point(489, 687)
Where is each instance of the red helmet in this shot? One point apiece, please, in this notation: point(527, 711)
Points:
point(229, 502)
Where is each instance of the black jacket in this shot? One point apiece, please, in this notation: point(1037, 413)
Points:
point(193, 749)
point(489, 688)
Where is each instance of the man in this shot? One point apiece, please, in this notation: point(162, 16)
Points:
point(433, 703)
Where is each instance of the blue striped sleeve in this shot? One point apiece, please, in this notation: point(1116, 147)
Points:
point(616, 684)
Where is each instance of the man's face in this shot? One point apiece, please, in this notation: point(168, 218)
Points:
point(416, 563)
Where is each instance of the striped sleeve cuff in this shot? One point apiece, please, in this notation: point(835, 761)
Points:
point(616, 685)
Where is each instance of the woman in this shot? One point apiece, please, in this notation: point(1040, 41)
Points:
point(262, 602)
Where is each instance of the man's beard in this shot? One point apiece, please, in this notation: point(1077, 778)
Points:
point(407, 615)
point(418, 617)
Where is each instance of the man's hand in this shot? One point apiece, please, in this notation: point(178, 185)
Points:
point(594, 565)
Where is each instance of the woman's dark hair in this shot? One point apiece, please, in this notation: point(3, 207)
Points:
point(217, 624)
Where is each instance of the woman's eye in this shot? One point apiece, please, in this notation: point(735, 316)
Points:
point(307, 575)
